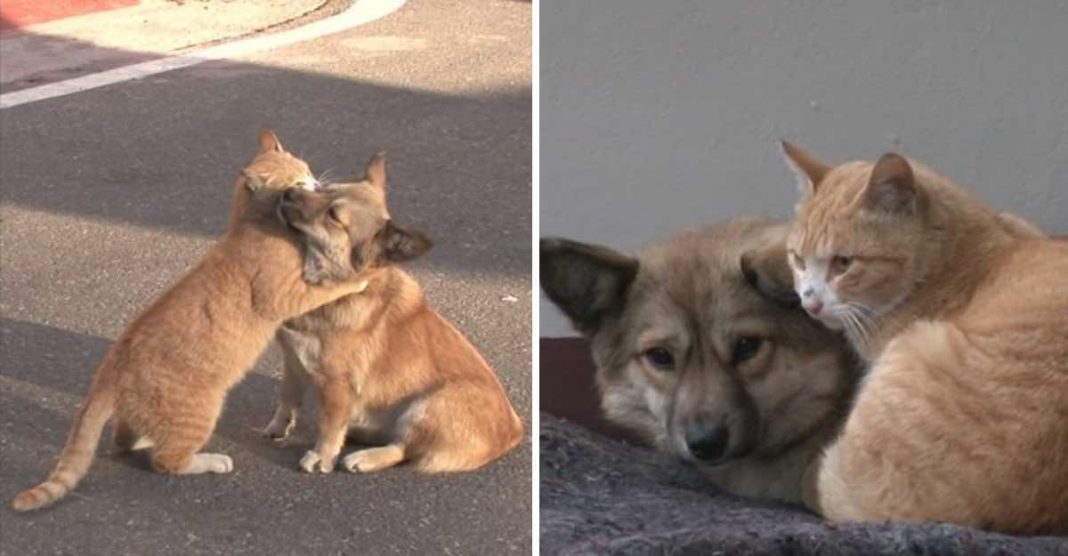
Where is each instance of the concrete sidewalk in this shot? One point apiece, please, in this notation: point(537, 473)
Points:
point(66, 48)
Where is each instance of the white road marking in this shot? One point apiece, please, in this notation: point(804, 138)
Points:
point(363, 11)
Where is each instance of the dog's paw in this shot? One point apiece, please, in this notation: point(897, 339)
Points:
point(279, 429)
point(355, 462)
point(369, 460)
point(312, 462)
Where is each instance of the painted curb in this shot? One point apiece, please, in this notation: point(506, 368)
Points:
point(16, 14)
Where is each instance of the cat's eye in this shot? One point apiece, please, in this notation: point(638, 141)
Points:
point(840, 263)
point(660, 358)
point(798, 262)
point(745, 348)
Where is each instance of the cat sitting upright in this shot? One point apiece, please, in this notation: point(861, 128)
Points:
point(166, 377)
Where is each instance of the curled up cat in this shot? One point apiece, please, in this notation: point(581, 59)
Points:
point(963, 316)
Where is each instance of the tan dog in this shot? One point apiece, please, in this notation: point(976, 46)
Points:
point(166, 377)
point(388, 369)
point(700, 348)
point(963, 313)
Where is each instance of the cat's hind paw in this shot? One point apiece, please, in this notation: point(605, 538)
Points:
point(312, 462)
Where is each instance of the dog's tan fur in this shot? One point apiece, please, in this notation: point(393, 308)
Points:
point(963, 417)
point(166, 377)
point(389, 370)
point(698, 294)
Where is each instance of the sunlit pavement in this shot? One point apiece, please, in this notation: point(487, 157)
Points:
point(109, 194)
point(71, 46)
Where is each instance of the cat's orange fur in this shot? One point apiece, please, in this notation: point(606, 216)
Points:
point(963, 417)
point(165, 379)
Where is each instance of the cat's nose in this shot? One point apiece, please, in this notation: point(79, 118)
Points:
point(707, 443)
point(812, 305)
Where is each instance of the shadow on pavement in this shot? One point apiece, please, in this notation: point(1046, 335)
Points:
point(152, 154)
point(45, 389)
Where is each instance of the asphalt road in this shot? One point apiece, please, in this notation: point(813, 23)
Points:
point(108, 195)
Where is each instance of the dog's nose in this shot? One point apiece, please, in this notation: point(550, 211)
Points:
point(707, 443)
point(812, 305)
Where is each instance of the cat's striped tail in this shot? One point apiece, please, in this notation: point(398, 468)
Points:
point(78, 454)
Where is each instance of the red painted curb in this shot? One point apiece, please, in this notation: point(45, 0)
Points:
point(19, 13)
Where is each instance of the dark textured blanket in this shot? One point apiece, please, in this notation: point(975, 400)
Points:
point(603, 496)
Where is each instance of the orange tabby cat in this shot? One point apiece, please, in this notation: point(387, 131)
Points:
point(166, 377)
point(963, 315)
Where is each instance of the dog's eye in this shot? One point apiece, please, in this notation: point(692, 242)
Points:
point(745, 348)
point(334, 214)
point(660, 358)
point(840, 263)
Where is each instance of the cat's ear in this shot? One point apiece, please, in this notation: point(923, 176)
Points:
point(399, 244)
point(587, 282)
point(269, 142)
point(809, 171)
point(892, 186)
point(374, 171)
point(768, 272)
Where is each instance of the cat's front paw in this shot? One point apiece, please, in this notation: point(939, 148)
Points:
point(312, 462)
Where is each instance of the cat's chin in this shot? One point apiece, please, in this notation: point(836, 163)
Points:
point(832, 323)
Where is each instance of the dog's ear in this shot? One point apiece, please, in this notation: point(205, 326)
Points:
point(374, 171)
point(269, 142)
point(587, 282)
point(398, 244)
point(767, 271)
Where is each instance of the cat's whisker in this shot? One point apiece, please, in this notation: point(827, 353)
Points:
point(326, 178)
point(866, 320)
point(857, 330)
point(851, 330)
point(865, 313)
point(865, 309)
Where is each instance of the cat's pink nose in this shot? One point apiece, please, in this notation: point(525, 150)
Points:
point(813, 306)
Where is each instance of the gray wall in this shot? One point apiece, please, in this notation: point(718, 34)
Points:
point(659, 115)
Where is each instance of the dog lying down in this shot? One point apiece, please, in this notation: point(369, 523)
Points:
point(702, 350)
